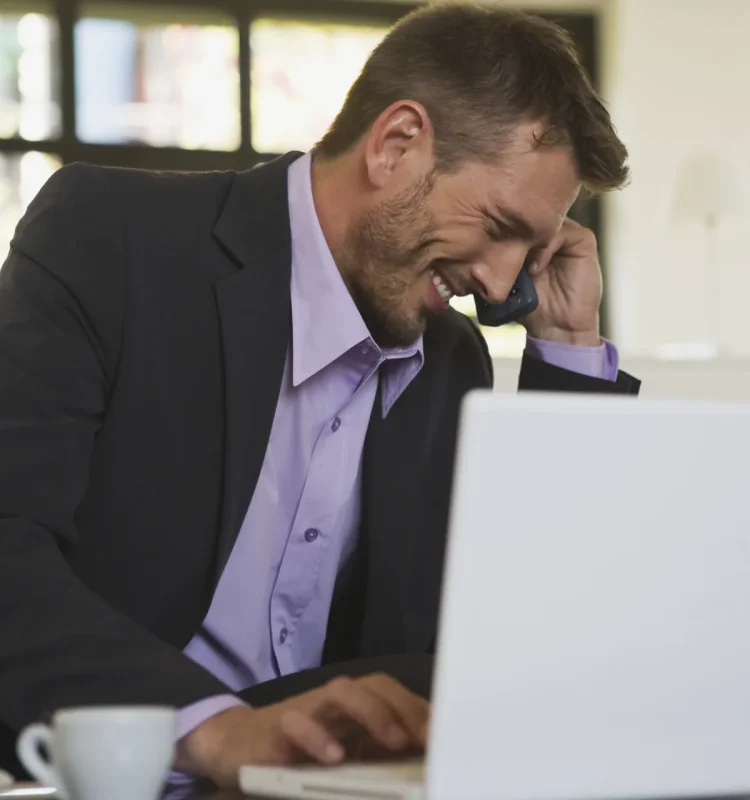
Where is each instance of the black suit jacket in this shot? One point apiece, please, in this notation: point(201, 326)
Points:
point(144, 322)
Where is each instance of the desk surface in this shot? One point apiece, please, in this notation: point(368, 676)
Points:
point(32, 791)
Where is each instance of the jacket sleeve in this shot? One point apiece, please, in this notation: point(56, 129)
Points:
point(61, 317)
point(538, 376)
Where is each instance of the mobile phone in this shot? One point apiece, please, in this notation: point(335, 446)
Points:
point(521, 301)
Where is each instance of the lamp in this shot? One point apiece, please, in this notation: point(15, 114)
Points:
point(707, 192)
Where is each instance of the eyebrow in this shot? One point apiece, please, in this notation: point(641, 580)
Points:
point(511, 222)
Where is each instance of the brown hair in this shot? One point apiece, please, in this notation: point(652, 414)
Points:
point(479, 72)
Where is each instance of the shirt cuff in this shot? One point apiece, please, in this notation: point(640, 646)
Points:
point(190, 717)
point(595, 362)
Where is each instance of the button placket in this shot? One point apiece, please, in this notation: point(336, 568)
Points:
point(308, 545)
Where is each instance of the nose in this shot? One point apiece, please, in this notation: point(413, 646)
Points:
point(495, 274)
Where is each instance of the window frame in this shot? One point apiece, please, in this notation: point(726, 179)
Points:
point(242, 12)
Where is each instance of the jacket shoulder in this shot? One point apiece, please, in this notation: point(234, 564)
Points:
point(83, 206)
point(51, 230)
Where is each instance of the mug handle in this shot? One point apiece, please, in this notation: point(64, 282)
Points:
point(27, 748)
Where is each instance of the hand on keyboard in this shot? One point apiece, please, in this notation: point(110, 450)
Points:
point(347, 718)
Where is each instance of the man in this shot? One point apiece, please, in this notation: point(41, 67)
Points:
point(228, 403)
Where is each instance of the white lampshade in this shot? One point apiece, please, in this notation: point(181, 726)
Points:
point(707, 190)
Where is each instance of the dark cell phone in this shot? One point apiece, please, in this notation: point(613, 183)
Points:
point(521, 301)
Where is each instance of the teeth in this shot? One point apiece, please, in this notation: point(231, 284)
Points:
point(443, 289)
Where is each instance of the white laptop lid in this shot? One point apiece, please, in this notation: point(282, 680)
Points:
point(595, 638)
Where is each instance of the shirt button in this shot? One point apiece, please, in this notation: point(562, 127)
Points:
point(283, 633)
point(336, 424)
point(311, 534)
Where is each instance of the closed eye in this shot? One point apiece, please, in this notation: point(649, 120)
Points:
point(496, 231)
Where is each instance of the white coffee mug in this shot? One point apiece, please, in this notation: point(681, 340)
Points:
point(112, 752)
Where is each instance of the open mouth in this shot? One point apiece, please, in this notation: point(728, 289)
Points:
point(445, 291)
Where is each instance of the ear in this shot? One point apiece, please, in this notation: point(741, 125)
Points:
point(401, 139)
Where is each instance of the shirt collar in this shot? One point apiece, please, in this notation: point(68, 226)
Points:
point(326, 323)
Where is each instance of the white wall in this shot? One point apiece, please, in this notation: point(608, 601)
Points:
point(677, 78)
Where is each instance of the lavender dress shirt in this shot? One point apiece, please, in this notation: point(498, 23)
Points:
point(269, 613)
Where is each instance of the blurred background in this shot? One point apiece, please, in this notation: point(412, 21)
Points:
point(224, 84)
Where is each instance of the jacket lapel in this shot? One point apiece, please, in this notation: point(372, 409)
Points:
point(255, 318)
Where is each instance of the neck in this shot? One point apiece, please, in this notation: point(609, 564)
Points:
point(335, 199)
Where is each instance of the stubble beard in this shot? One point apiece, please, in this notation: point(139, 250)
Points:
point(380, 260)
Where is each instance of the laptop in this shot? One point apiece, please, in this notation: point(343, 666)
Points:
point(595, 630)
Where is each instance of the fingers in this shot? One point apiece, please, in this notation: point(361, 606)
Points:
point(543, 258)
point(373, 711)
point(311, 737)
point(412, 711)
point(370, 710)
point(572, 240)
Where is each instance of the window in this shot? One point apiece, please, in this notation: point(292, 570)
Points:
point(157, 77)
point(29, 104)
point(172, 84)
point(301, 74)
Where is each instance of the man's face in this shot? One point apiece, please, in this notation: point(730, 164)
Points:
point(441, 235)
